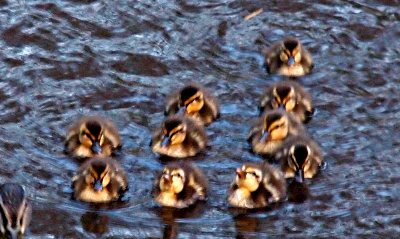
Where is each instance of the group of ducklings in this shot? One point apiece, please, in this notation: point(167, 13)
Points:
point(278, 134)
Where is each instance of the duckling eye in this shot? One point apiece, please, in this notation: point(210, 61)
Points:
point(254, 174)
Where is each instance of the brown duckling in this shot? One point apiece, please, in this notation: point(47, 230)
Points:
point(300, 158)
point(271, 130)
point(290, 96)
point(99, 180)
point(195, 101)
point(91, 136)
point(15, 209)
point(256, 185)
point(179, 137)
point(180, 185)
point(288, 57)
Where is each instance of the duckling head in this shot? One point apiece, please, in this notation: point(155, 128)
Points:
point(174, 132)
point(191, 100)
point(290, 51)
point(284, 98)
point(91, 135)
point(172, 180)
point(298, 159)
point(275, 126)
point(98, 176)
point(15, 210)
point(248, 177)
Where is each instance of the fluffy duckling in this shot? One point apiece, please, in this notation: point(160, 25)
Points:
point(288, 57)
point(15, 209)
point(180, 185)
point(290, 96)
point(99, 180)
point(256, 185)
point(193, 100)
point(91, 136)
point(179, 137)
point(271, 130)
point(300, 157)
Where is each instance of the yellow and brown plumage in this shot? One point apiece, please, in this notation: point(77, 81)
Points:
point(195, 101)
point(290, 96)
point(91, 136)
point(179, 137)
point(180, 185)
point(271, 130)
point(256, 185)
point(15, 209)
point(300, 157)
point(99, 180)
point(288, 57)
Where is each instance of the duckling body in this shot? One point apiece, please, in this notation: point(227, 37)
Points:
point(15, 209)
point(256, 185)
point(99, 180)
point(288, 95)
point(195, 101)
point(288, 57)
point(272, 129)
point(91, 136)
point(179, 137)
point(180, 185)
point(300, 157)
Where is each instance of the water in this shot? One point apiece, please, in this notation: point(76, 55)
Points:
point(60, 59)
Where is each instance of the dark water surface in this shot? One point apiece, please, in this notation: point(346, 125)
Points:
point(60, 59)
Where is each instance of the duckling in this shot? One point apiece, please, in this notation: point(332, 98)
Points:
point(300, 157)
point(288, 57)
point(15, 209)
point(99, 180)
point(256, 185)
point(271, 130)
point(193, 100)
point(290, 96)
point(179, 137)
point(180, 185)
point(92, 135)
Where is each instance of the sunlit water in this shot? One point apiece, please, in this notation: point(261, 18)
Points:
point(60, 59)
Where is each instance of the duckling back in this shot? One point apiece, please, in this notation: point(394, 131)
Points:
point(195, 101)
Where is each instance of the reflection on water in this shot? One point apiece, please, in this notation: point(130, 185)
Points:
point(122, 58)
point(170, 217)
point(94, 222)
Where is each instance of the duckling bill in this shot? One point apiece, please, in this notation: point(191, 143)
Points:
point(256, 185)
point(179, 137)
point(290, 96)
point(99, 180)
point(15, 209)
point(288, 57)
point(180, 185)
point(195, 101)
point(91, 136)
